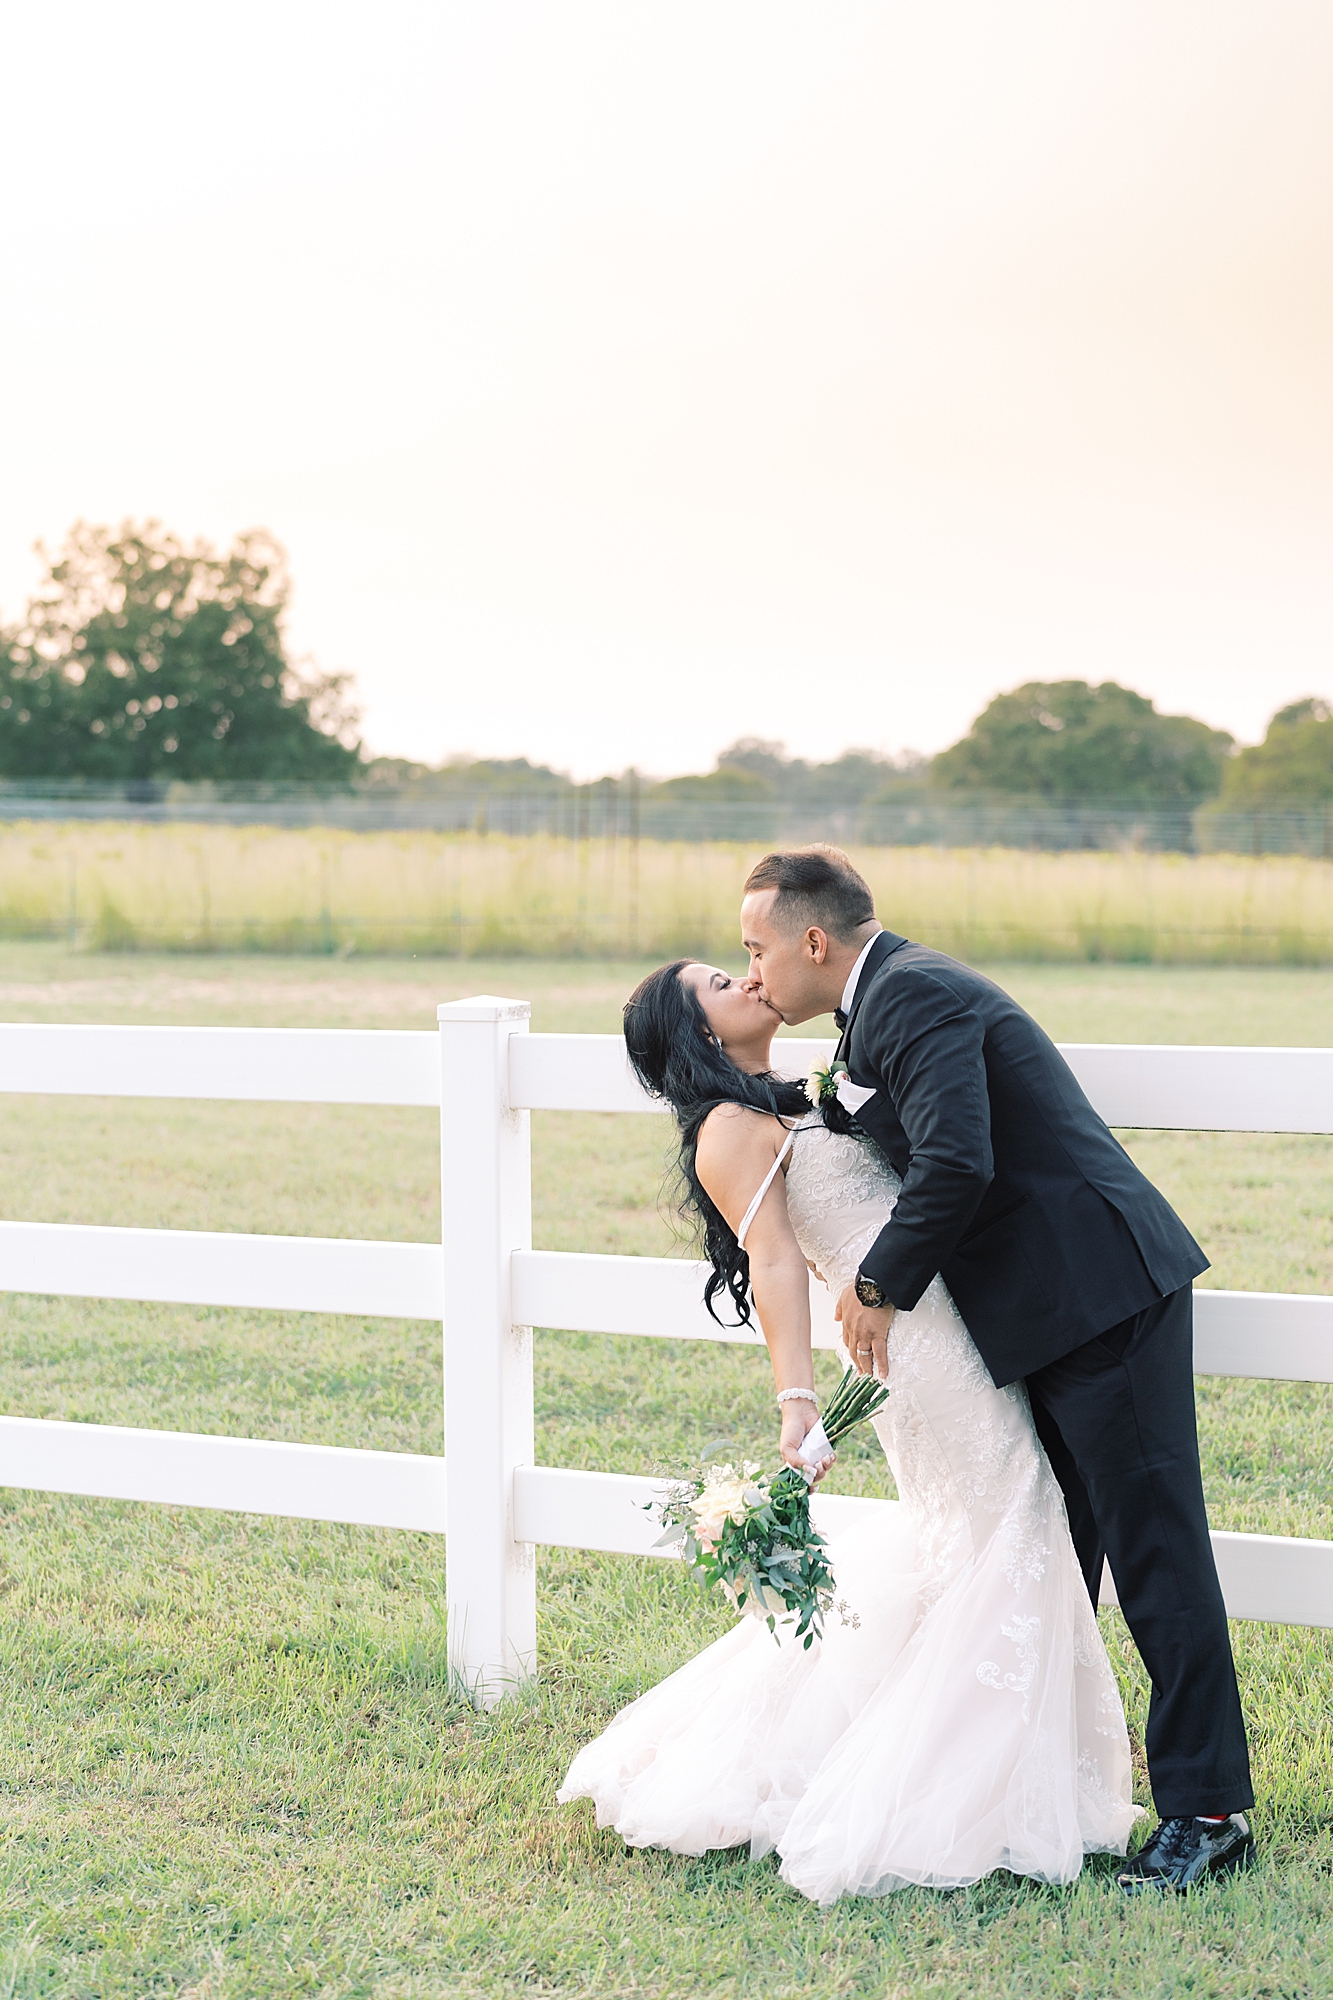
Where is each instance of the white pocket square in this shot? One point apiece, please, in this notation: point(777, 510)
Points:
point(851, 1096)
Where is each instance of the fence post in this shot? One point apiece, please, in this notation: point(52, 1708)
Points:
point(486, 1214)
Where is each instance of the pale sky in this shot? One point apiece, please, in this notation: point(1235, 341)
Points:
point(625, 378)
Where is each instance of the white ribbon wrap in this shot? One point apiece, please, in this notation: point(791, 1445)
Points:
point(815, 1446)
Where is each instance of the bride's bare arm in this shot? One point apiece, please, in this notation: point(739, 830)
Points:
point(736, 1149)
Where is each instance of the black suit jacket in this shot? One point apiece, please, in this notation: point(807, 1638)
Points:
point(1014, 1190)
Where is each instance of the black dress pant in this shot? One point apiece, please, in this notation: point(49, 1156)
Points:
point(1117, 1419)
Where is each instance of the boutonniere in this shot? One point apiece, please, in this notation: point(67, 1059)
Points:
point(821, 1086)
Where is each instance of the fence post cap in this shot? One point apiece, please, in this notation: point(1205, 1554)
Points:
point(484, 1007)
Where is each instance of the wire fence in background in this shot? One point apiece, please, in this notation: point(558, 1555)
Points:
point(624, 809)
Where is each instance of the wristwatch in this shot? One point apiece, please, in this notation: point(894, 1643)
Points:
point(871, 1294)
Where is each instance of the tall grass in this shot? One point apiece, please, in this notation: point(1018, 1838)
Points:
point(200, 888)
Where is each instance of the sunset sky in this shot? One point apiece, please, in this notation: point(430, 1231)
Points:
point(624, 378)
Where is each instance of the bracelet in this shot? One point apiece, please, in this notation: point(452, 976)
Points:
point(798, 1396)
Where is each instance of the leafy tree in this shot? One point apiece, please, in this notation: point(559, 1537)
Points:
point(854, 778)
point(141, 658)
point(728, 785)
point(1292, 766)
point(465, 775)
point(1066, 739)
point(762, 759)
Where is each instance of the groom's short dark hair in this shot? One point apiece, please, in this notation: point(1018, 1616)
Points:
point(817, 887)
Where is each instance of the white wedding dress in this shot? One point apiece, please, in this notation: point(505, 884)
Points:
point(969, 1719)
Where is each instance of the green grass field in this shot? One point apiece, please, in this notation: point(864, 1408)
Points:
point(231, 1762)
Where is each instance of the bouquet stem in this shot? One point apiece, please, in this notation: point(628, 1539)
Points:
point(856, 1398)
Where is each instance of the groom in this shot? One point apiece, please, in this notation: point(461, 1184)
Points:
point(1072, 1273)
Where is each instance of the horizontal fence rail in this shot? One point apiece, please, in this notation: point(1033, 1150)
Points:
point(1198, 1089)
point(1277, 1578)
point(1280, 1579)
point(1275, 1336)
point(195, 1267)
point(488, 1285)
point(1188, 1088)
point(255, 1065)
point(315, 1482)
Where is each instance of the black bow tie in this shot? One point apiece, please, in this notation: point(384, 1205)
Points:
point(839, 1019)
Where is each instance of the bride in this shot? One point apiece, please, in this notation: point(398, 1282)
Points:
point(965, 1717)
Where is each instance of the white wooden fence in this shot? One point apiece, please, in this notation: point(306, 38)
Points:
point(486, 1073)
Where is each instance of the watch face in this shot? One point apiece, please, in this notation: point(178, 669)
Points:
point(869, 1292)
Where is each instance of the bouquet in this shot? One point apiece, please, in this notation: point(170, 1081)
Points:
point(749, 1532)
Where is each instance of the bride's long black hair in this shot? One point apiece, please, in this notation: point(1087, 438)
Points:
point(675, 1057)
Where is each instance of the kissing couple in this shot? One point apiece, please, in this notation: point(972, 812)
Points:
point(999, 1260)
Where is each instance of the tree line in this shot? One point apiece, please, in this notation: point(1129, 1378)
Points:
point(142, 658)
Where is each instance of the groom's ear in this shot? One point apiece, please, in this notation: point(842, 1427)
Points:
point(816, 943)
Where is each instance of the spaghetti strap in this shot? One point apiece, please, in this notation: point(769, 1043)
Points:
point(764, 1186)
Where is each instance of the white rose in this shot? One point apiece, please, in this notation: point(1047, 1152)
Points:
point(726, 1491)
point(712, 1509)
point(814, 1086)
point(726, 1496)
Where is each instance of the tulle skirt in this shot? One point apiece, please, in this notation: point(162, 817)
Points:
point(956, 1727)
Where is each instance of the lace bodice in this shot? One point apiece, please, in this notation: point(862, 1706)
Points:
point(963, 1453)
point(840, 1193)
point(956, 1444)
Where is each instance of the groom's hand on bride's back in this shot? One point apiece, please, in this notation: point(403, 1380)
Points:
point(865, 1333)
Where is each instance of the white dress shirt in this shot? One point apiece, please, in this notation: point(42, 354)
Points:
point(854, 976)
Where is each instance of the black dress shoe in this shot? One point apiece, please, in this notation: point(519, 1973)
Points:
point(1180, 1853)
